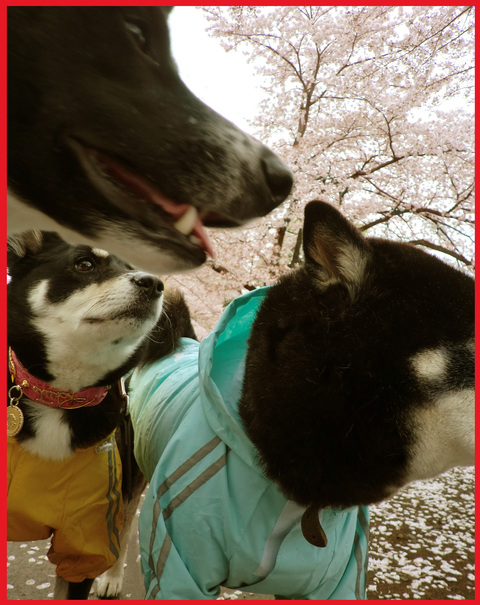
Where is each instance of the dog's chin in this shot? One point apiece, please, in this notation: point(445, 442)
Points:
point(134, 319)
point(158, 217)
point(160, 252)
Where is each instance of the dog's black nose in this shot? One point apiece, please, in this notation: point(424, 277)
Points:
point(150, 283)
point(278, 176)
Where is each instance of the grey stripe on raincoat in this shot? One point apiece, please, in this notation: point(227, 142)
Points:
point(210, 517)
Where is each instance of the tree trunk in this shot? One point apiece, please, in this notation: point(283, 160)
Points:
point(296, 251)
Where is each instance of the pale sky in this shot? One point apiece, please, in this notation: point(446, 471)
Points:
point(224, 81)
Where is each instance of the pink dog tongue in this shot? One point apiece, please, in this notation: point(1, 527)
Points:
point(193, 225)
point(178, 211)
point(199, 231)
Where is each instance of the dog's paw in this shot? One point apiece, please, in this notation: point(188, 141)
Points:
point(109, 584)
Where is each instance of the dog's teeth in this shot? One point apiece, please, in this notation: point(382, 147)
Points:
point(187, 221)
point(196, 240)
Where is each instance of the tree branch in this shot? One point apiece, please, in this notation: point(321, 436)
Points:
point(457, 256)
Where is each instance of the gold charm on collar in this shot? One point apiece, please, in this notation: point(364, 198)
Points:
point(14, 413)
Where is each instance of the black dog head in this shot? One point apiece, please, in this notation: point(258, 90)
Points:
point(107, 146)
point(360, 370)
point(76, 315)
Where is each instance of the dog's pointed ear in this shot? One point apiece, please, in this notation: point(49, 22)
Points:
point(333, 247)
point(22, 245)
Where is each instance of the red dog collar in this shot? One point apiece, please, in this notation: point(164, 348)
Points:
point(43, 393)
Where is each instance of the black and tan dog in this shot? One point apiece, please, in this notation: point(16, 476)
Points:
point(382, 335)
point(108, 147)
point(265, 443)
point(78, 320)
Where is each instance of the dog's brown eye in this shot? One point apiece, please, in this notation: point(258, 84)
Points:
point(84, 265)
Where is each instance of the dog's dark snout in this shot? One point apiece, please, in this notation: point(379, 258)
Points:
point(278, 176)
point(150, 283)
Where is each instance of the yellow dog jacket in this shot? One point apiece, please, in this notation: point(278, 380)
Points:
point(77, 501)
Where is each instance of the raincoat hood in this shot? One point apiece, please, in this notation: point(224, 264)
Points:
point(221, 368)
point(218, 364)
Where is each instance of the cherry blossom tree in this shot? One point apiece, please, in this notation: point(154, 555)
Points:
point(372, 108)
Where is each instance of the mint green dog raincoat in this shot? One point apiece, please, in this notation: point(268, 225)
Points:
point(210, 517)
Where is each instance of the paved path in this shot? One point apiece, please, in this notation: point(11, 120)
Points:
point(422, 547)
point(31, 576)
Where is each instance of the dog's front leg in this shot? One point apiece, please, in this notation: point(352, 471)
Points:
point(109, 584)
point(71, 590)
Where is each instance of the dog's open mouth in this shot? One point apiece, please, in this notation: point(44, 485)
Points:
point(141, 199)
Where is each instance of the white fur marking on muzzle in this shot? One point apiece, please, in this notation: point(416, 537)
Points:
point(444, 434)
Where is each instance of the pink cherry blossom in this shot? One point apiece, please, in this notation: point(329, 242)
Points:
point(372, 108)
